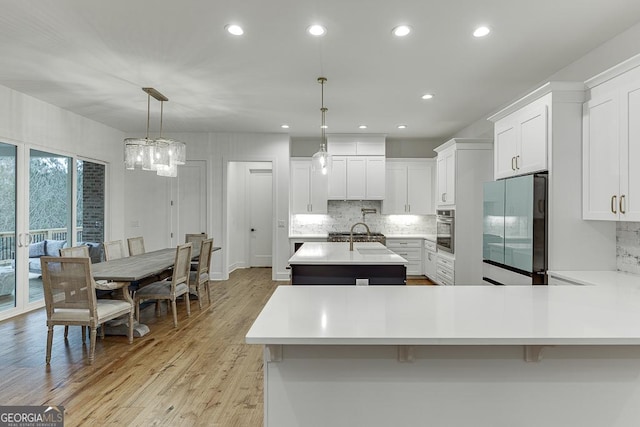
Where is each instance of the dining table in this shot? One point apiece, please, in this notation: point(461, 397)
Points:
point(116, 275)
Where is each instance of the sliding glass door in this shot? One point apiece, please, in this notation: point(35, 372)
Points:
point(50, 208)
point(8, 158)
point(47, 201)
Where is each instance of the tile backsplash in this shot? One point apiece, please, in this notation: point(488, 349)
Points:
point(628, 246)
point(343, 214)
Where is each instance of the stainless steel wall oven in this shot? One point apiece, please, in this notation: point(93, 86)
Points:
point(445, 224)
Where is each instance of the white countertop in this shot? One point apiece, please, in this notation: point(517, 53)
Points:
point(450, 315)
point(610, 278)
point(338, 253)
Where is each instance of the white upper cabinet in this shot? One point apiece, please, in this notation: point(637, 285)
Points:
point(358, 167)
point(338, 178)
point(446, 166)
point(611, 150)
point(409, 187)
point(521, 140)
point(308, 188)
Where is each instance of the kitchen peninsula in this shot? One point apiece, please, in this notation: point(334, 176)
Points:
point(451, 356)
point(333, 263)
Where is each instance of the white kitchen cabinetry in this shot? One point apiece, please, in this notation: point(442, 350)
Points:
point(445, 270)
point(409, 187)
point(611, 153)
point(521, 140)
point(308, 188)
point(446, 165)
point(463, 165)
point(430, 260)
point(409, 249)
point(358, 167)
point(572, 243)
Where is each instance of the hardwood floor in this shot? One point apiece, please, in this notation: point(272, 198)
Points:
point(201, 373)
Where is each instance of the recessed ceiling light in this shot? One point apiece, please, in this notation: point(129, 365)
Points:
point(402, 126)
point(324, 127)
point(427, 96)
point(234, 29)
point(362, 127)
point(316, 30)
point(401, 30)
point(284, 126)
point(481, 31)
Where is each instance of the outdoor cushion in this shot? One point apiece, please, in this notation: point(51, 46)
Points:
point(38, 249)
point(52, 248)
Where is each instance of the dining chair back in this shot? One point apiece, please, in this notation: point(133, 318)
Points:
point(195, 238)
point(70, 299)
point(170, 289)
point(75, 251)
point(199, 279)
point(136, 245)
point(113, 250)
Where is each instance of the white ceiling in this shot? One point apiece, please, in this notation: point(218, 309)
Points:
point(93, 57)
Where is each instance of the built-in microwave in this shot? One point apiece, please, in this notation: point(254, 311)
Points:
point(444, 229)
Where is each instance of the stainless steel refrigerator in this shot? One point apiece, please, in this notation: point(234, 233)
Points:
point(514, 240)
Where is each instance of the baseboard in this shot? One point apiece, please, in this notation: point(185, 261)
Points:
point(283, 276)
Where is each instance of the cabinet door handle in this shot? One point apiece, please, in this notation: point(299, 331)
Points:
point(622, 211)
point(613, 204)
point(513, 159)
point(409, 206)
point(517, 158)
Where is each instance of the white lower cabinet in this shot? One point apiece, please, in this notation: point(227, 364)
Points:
point(411, 250)
point(430, 260)
point(445, 270)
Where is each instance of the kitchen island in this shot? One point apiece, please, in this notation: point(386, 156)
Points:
point(451, 356)
point(332, 263)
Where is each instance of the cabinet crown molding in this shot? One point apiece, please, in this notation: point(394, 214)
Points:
point(613, 72)
point(466, 144)
point(569, 91)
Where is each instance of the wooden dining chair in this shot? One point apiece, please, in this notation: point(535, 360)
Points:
point(75, 251)
point(199, 279)
point(136, 245)
point(196, 239)
point(113, 250)
point(70, 299)
point(170, 289)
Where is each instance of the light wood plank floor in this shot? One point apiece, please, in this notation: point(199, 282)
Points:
point(200, 374)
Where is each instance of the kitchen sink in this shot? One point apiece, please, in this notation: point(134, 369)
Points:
point(373, 251)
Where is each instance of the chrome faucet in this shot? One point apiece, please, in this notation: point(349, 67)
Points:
point(351, 233)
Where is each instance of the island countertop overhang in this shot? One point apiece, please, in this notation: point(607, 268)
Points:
point(338, 315)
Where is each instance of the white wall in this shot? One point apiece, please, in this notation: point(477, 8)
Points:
point(622, 47)
point(218, 149)
point(24, 119)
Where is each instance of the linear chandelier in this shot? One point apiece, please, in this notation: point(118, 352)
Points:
point(161, 155)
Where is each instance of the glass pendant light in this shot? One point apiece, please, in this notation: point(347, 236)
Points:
point(321, 160)
point(161, 155)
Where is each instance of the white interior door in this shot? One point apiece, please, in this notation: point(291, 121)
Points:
point(190, 201)
point(261, 217)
